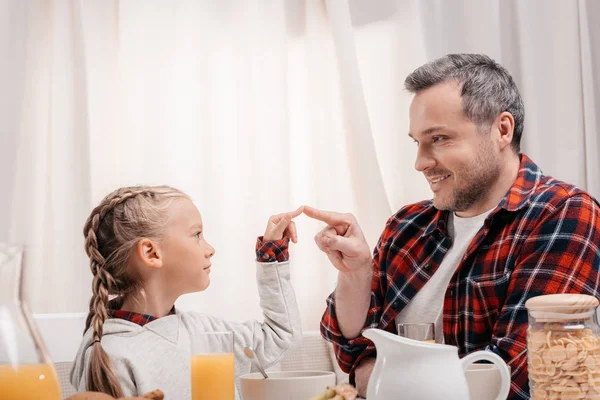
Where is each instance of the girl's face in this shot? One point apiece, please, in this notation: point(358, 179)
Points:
point(186, 254)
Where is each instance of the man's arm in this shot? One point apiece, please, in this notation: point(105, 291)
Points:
point(344, 244)
point(351, 350)
point(352, 300)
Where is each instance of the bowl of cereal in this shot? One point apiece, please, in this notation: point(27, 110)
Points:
point(290, 385)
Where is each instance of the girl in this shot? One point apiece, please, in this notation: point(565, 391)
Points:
point(146, 248)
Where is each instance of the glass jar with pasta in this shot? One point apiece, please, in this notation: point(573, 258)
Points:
point(563, 347)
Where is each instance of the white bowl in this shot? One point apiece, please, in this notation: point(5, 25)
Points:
point(289, 385)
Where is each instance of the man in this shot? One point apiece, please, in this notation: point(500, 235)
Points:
point(496, 233)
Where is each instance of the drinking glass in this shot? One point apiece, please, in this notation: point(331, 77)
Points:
point(213, 366)
point(423, 332)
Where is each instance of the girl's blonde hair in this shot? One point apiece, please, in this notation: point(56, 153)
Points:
point(111, 232)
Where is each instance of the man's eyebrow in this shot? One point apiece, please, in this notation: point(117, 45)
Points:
point(429, 131)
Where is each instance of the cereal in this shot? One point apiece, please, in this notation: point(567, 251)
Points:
point(563, 364)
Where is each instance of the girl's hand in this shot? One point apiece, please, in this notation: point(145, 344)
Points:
point(281, 226)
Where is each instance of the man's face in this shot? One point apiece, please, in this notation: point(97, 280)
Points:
point(460, 162)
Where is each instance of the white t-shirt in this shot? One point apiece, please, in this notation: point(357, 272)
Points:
point(428, 304)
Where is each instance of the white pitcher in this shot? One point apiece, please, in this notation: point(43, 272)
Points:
point(409, 369)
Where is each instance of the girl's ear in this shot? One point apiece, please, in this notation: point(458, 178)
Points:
point(149, 253)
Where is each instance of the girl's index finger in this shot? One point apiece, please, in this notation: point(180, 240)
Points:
point(297, 212)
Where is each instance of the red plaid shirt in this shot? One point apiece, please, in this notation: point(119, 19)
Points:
point(542, 238)
point(272, 251)
point(136, 318)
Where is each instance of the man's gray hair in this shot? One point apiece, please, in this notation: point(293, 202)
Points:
point(487, 89)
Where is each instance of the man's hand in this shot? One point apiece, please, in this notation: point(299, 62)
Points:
point(342, 240)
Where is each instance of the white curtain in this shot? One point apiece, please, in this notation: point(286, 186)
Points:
point(254, 107)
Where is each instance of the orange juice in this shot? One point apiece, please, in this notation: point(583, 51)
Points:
point(213, 377)
point(29, 382)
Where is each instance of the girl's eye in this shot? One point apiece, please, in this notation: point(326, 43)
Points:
point(197, 235)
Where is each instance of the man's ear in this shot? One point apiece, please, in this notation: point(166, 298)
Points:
point(506, 127)
point(149, 253)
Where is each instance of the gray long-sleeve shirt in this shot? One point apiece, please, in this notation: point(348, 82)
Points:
point(157, 355)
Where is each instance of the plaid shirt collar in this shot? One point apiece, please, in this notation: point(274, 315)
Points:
point(515, 199)
point(527, 181)
point(136, 318)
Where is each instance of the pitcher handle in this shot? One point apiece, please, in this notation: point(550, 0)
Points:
point(495, 359)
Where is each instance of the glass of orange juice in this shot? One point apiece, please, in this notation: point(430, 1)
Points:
point(423, 332)
point(213, 366)
point(26, 371)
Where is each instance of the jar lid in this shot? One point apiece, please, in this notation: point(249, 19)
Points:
point(562, 306)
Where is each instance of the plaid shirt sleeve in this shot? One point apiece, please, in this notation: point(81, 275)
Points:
point(350, 352)
point(272, 250)
point(559, 255)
